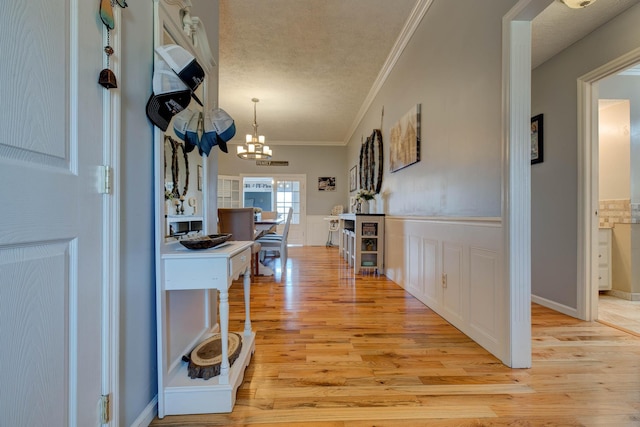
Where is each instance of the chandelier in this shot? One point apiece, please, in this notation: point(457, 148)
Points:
point(254, 148)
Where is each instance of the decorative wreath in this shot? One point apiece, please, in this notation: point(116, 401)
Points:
point(175, 167)
point(370, 177)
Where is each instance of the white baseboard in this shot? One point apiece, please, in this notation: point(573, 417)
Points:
point(629, 296)
point(555, 306)
point(149, 413)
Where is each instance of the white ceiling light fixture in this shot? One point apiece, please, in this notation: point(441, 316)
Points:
point(577, 4)
point(254, 148)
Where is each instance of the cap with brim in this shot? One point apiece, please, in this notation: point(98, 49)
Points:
point(185, 125)
point(219, 128)
point(184, 65)
point(170, 96)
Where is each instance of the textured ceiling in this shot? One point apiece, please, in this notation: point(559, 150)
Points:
point(312, 63)
point(558, 27)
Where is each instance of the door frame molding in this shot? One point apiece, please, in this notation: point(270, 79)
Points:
point(587, 112)
point(516, 178)
point(110, 317)
point(303, 202)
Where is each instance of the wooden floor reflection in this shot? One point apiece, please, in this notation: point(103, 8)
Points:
point(335, 349)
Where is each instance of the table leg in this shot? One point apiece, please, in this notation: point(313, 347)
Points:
point(247, 303)
point(224, 337)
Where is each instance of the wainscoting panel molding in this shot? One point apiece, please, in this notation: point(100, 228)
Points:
point(454, 267)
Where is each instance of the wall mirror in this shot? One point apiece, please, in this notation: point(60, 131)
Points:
point(181, 189)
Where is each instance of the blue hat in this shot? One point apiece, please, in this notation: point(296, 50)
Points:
point(185, 125)
point(219, 128)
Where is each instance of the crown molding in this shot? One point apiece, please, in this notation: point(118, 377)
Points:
point(418, 12)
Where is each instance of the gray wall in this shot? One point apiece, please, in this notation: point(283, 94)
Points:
point(452, 66)
point(554, 183)
point(138, 385)
point(138, 373)
point(315, 162)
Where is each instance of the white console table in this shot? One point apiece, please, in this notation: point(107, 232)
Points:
point(362, 242)
point(185, 317)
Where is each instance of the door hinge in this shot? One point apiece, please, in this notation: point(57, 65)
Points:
point(105, 179)
point(105, 409)
point(444, 280)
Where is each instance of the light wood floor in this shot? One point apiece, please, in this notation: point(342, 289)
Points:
point(619, 313)
point(337, 350)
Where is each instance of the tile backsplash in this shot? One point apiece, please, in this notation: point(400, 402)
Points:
point(622, 211)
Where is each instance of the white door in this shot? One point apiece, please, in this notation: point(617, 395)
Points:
point(51, 222)
point(290, 192)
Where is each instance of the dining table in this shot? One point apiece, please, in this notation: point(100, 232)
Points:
point(262, 227)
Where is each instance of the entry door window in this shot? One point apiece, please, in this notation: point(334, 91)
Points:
point(258, 193)
point(288, 196)
point(285, 191)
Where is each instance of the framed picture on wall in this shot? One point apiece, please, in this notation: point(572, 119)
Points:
point(537, 139)
point(353, 178)
point(404, 147)
point(327, 183)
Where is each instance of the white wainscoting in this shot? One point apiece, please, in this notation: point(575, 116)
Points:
point(318, 231)
point(454, 266)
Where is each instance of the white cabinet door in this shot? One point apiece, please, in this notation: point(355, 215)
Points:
point(604, 259)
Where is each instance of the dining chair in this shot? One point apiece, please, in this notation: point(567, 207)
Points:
point(239, 222)
point(277, 236)
point(269, 215)
point(277, 243)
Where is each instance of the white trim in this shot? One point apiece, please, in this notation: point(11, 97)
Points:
point(629, 296)
point(587, 285)
point(561, 308)
point(516, 177)
point(301, 227)
point(147, 415)
point(491, 221)
point(635, 71)
point(418, 12)
point(74, 82)
point(111, 125)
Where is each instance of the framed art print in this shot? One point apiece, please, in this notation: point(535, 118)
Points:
point(537, 139)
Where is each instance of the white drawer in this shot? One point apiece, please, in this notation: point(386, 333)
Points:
point(603, 254)
point(604, 279)
point(195, 273)
point(239, 262)
point(604, 235)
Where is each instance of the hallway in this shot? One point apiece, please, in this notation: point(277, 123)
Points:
point(337, 350)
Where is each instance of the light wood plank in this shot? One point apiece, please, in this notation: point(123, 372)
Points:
point(338, 350)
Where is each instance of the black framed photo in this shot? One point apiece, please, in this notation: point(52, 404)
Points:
point(353, 178)
point(537, 139)
point(327, 183)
